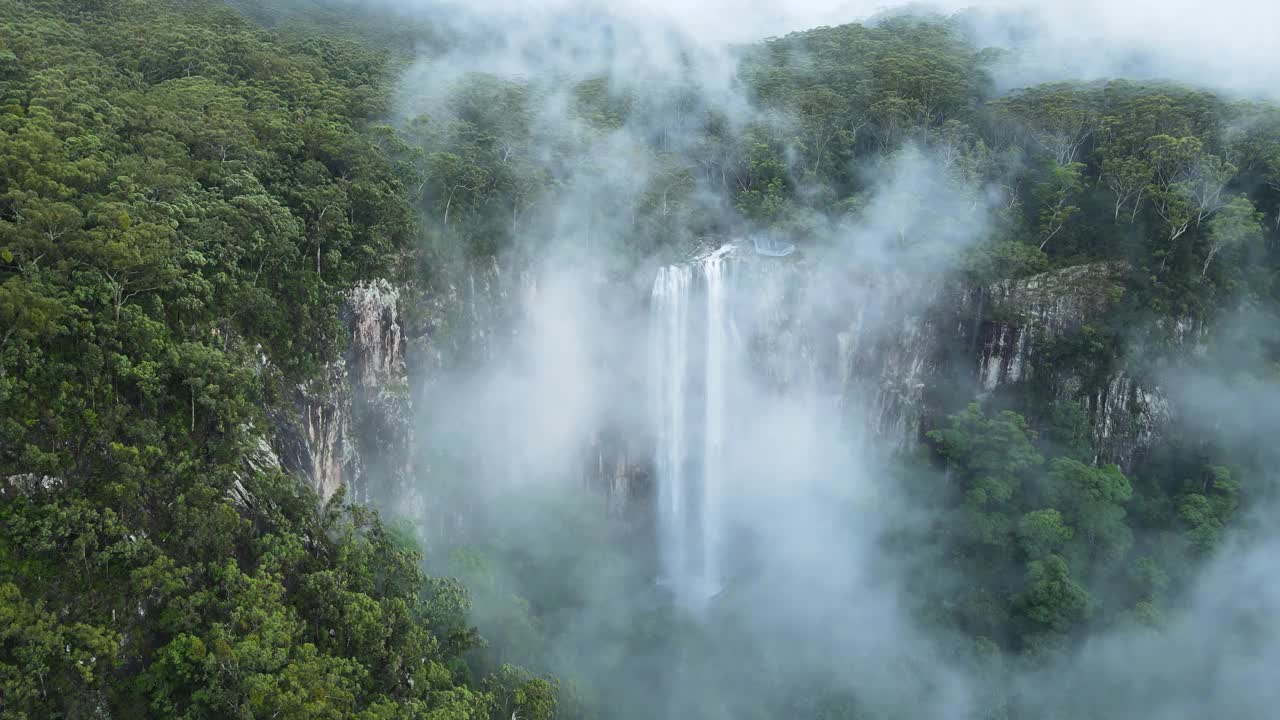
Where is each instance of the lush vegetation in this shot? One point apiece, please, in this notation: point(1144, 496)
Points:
point(184, 195)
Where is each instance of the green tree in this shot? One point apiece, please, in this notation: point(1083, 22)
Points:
point(1042, 533)
point(1238, 224)
point(1053, 601)
point(1057, 199)
point(1128, 178)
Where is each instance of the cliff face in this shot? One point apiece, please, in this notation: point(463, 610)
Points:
point(1022, 314)
point(352, 427)
point(1127, 408)
point(872, 342)
point(620, 470)
point(896, 346)
point(890, 349)
point(355, 426)
point(896, 350)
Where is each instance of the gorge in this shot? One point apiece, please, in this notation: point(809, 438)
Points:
point(595, 360)
point(878, 347)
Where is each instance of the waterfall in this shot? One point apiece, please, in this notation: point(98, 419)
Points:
point(690, 374)
point(713, 460)
point(669, 378)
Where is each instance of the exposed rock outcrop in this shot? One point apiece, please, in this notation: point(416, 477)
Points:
point(355, 426)
point(1023, 313)
point(312, 434)
point(28, 484)
point(376, 353)
point(381, 427)
point(351, 426)
point(621, 470)
point(1128, 415)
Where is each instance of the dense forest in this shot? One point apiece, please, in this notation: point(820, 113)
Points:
point(188, 187)
point(184, 196)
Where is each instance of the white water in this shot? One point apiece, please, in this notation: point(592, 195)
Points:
point(691, 369)
point(669, 377)
point(713, 453)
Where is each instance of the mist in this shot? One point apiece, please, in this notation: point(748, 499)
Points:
point(1229, 48)
point(817, 580)
point(806, 493)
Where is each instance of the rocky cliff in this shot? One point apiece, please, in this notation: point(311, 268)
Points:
point(1022, 315)
point(352, 427)
point(1026, 320)
point(896, 351)
point(873, 342)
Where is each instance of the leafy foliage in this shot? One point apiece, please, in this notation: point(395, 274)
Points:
point(183, 198)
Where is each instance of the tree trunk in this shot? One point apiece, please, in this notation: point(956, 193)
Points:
point(1136, 204)
point(1212, 251)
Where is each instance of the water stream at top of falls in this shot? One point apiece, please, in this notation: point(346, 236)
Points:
point(693, 355)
